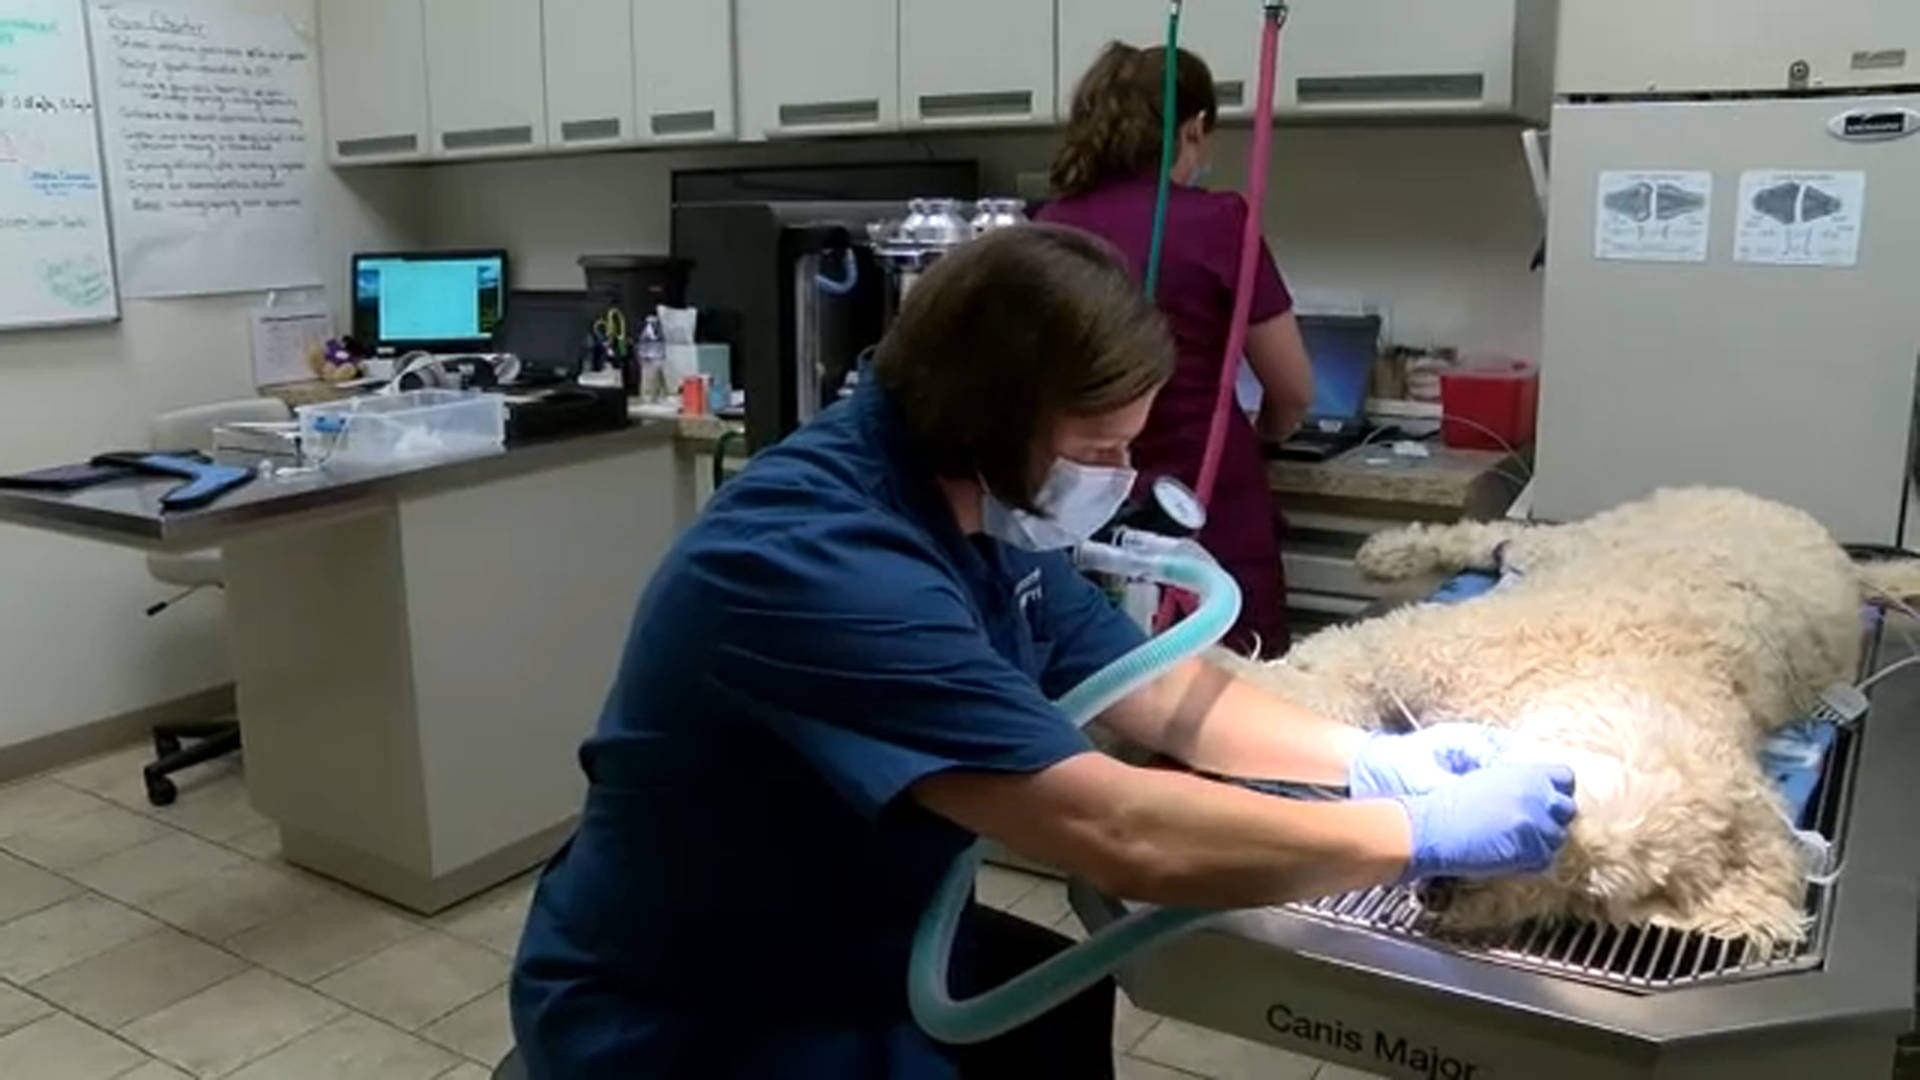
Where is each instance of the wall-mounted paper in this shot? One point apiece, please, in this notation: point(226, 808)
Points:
point(205, 116)
point(54, 264)
point(1652, 216)
point(286, 339)
point(1797, 217)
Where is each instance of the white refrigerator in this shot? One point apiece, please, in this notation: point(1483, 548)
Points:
point(1733, 292)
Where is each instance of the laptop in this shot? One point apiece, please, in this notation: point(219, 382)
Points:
point(1343, 349)
point(550, 330)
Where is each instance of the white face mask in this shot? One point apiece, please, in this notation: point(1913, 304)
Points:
point(1074, 502)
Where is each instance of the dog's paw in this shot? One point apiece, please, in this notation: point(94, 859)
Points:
point(1397, 555)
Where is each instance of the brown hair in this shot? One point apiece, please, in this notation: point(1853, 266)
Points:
point(1114, 128)
point(1007, 333)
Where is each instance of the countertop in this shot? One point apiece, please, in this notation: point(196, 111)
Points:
point(1367, 480)
point(698, 433)
point(128, 511)
point(695, 432)
point(1373, 481)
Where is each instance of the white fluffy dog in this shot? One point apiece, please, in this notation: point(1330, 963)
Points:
point(1650, 648)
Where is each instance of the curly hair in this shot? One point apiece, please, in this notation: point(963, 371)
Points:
point(1114, 127)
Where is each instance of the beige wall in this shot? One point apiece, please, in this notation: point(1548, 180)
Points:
point(74, 647)
point(1434, 221)
point(1437, 222)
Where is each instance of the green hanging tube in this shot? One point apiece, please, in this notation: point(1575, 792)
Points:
point(1169, 124)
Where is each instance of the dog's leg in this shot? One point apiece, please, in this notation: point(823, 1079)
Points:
point(1419, 550)
point(1884, 579)
point(1323, 691)
point(1347, 673)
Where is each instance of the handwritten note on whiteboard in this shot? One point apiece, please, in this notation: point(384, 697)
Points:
point(205, 117)
point(54, 264)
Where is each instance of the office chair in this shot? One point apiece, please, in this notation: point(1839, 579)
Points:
point(192, 429)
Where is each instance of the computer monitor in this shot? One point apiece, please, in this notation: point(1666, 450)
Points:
point(550, 329)
point(438, 301)
point(1343, 349)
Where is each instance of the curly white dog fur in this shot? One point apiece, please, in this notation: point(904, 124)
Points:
point(1650, 648)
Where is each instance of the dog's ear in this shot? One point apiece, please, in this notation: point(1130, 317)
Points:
point(1616, 853)
point(1666, 843)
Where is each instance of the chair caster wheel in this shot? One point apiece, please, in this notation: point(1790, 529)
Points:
point(161, 791)
point(165, 746)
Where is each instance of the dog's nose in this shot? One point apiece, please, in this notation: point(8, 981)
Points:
point(1437, 894)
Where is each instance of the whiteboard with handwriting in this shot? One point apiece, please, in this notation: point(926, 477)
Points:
point(55, 261)
point(203, 112)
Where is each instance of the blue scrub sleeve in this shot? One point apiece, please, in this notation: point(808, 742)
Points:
point(849, 641)
point(1088, 632)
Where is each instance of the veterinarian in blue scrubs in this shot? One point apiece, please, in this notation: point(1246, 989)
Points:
point(841, 675)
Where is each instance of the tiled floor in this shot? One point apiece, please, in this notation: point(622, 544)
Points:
point(144, 944)
point(1149, 1047)
point(160, 944)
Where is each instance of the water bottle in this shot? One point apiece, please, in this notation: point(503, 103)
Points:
point(652, 349)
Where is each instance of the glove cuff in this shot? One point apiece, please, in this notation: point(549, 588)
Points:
point(1363, 781)
point(1420, 856)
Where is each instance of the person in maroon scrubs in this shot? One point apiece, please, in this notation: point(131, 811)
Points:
point(1104, 181)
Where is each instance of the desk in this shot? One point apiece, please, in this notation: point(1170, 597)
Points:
point(1332, 506)
point(418, 651)
point(697, 440)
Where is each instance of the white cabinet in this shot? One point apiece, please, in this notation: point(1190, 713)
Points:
point(1225, 35)
point(486, 85)
point(1413, 58)
point(982, 63)
point(589, 52)
point(811, 67)
point(682, 55)
point(629, 72)
point(1353, 58)
point(374, 80)
point(1641, 46)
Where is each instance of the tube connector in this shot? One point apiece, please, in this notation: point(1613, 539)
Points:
point(1136, 555)
point(1113, 561)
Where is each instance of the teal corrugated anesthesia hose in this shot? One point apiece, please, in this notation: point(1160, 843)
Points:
point(1034, 992)
point(1169, 122)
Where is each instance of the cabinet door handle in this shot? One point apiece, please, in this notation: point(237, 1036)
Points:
point(376, 145)
point(485, 138)
point(694, 122)
point(969, 106)
point(607, 127)
point(830, 113)
point(1354, 91)
point(1230, 93)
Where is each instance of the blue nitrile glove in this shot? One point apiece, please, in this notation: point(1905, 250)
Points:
point(1414, 764)
point(1508, 818)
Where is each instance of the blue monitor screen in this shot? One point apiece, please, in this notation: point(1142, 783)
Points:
point(1343, 349)
point(417, 301)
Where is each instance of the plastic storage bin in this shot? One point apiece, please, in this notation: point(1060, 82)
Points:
point(1489, 403)
point(413, 426)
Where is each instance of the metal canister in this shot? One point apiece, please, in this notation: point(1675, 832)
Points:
point(991, 214)
point(941, 225)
